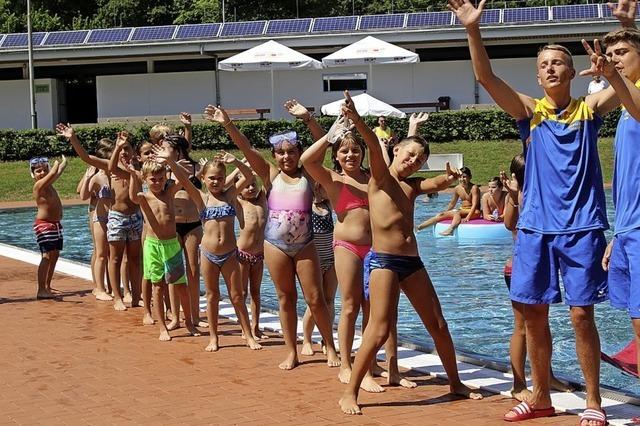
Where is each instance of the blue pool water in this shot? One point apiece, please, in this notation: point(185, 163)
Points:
point(467, 277)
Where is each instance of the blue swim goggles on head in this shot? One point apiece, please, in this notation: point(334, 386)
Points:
point(289, 136)
point(37, 161)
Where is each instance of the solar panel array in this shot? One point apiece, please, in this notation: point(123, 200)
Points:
point(289, 26)
point(338, 23)
point(243, 28)
point(578, 12)
point(374, 22)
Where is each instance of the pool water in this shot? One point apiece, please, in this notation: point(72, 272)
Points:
point(467, 276)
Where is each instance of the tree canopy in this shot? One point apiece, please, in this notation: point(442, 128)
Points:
point(57, 15)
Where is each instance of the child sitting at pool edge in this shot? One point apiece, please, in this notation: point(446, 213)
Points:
point(47, 225)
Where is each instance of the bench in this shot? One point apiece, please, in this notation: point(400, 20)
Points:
point(438, 162)
point(234, 113)
point(443, 104)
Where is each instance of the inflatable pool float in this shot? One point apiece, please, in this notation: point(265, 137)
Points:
point(475, 229)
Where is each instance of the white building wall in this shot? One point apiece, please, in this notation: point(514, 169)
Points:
point(15, 108)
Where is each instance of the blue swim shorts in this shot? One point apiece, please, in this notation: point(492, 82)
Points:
point(624, 272)
point(122, 227)
point(537, 259)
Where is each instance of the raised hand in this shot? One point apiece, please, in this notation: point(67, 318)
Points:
point(203, 161)
point(216, 114)
point(91, 170)
point(452, 172)
point(225, 157)
point(601, 64)
point(122, 138)
point(65, 130)
point(348, 108)
point(467, 14)
point(625, 12)
point(418, 119)
point(63, 163)
point(296, 109)
point(160, 154)
point(185, 118)
point(511, 185)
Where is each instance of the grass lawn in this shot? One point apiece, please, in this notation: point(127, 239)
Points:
point(484, 158)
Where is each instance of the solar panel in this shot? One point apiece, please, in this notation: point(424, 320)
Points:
point(370, 22)
point(489, 17)
point(575, 12)
point(65, 37)
point(164, 32)
point(243, 28)
point(526, 14)
point(197, 31)
point(606, 12)
point(288, 26)
point(339, 23)
point(111, 35)
point(428, 19)
point(20, 40)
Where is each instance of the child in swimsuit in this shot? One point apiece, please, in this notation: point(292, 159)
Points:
point(163, 262)
point(218, 248)
point(47, 226)
point(493, 201)
point(322, 223)
point(395, 263)
point(289, 238)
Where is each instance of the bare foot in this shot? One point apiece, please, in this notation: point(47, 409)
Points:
point(118, 305)
point(290, 362)
point(521, 394)
point(447, 233)
point(333, 360)
point(324, 349)
point(102, 295)
point(94, 291)
point(147, 319)
point(173, 324)
point(349, 405)
point(127, 298)
point(259, 335)
point(370, 385)
point(137, 303)
point(561, 386)
point(169, 315)
point(397, 380)
point(344, 375)
point(45, 294)
point(164, 336)
point(212, 346)
point(253, 345)
point(193, 331)
point(465, 391)
point(307, 349)
point(202, 324)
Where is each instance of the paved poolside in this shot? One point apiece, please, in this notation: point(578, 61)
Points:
point(76, 361)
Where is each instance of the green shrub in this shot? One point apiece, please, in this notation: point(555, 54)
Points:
point(443, 126)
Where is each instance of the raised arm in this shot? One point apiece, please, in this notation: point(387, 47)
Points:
point(415, 122)
point(379, 168)
point(441, 182)
point(625, 12)
point(54, 173)
point(313, 158)
point(259, 164)
point(242, 169)
point(114, 162)
point(185, 119)
point(515, 104)
point(69, 133)
point(298, 110)
point(163, 156)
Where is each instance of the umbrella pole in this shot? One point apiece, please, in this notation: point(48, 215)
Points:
point(273, 105)
point(370, 84)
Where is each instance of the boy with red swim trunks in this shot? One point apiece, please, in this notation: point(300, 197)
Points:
point(47, 226)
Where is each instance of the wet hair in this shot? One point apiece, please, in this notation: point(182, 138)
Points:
point(497, 181)
point(628, 35)
point(558, 48)
point(517, 168)
point(180, 144)
point(416, 139)
point(151, 168)
point(105, 148)
point(465, 171)
point(214, 164)
point(351, 139)
point(159, 132)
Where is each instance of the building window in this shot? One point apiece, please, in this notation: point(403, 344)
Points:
point(347, 81)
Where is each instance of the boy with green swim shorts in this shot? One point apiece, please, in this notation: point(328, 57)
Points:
point(162, 254)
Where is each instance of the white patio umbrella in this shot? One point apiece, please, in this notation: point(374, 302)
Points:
point(269, 56)
point(365, 105)
point(369, 51)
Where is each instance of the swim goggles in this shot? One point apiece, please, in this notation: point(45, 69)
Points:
point(289, 136)
point(37, 161)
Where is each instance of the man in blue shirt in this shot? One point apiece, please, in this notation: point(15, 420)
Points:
point(563, 217)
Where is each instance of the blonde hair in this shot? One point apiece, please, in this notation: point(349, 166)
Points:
point(628, 35)
point(214, 164)
point(159, 132)
point(151, 168)
point(557, 48)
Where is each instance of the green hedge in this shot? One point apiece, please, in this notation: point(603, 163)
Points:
point(442, 127)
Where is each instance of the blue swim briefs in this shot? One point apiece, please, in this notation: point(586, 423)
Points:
point(624, 272)
point(403, 266)
point(537, 259)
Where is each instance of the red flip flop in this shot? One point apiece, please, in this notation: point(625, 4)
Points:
point(524, 411)
point(594, 415)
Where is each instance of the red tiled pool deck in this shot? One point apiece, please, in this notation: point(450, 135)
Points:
point(77, 361)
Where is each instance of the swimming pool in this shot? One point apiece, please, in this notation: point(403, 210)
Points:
point(466, 275)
